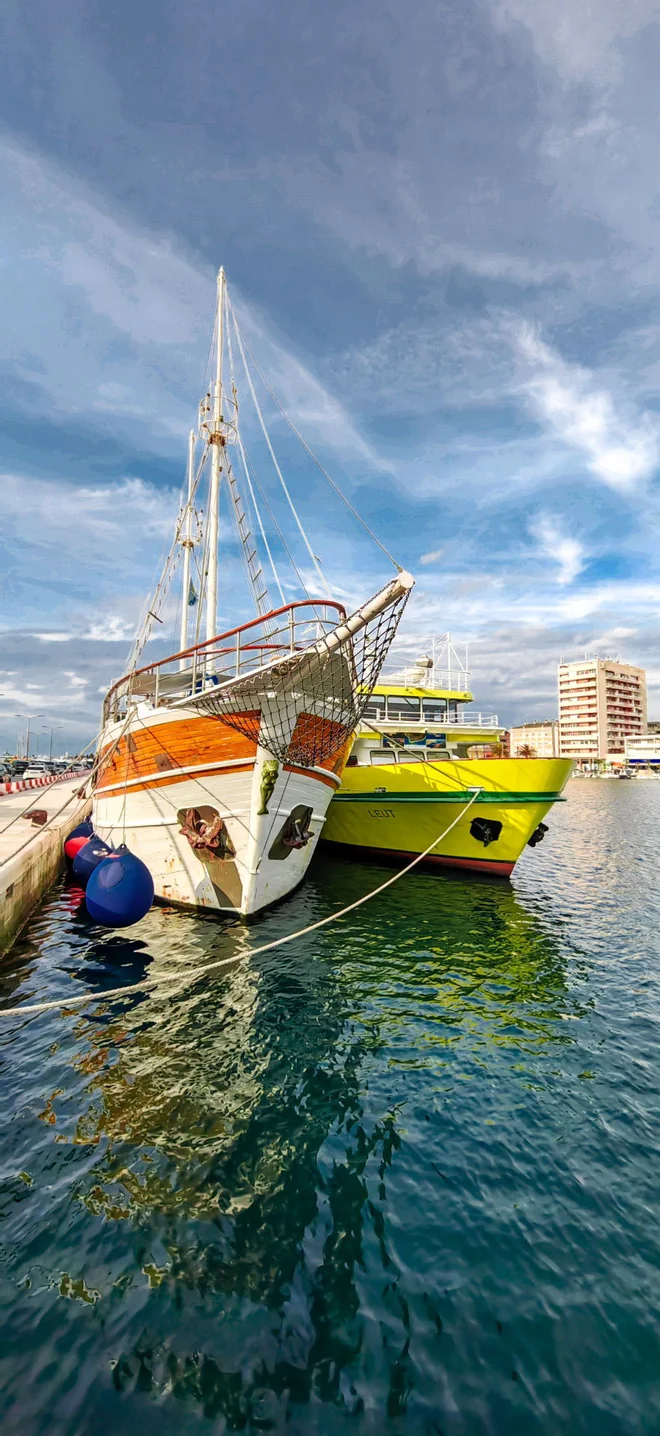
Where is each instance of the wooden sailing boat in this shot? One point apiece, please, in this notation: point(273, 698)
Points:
point(217, 764)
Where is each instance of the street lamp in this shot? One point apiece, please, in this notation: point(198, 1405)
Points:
point(57, 728)
point(29, 721)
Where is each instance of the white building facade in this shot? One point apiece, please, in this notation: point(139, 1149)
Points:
point(644, 750)
point(602, 702)
point(541, 735)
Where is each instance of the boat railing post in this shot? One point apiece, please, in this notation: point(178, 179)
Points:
point(157, 689)
point(238, 654)
point(292, 631)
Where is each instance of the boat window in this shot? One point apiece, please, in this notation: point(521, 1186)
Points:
point(375, 708)
point(435, 710)
point(401, 709)
point(410, 755)
point(453, 710)
point(382, 755)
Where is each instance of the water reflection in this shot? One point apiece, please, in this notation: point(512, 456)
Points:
point(232, 1157)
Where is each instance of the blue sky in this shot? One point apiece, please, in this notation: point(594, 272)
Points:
point(442, 233)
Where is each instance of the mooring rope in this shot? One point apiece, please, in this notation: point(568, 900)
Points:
point(189, 975)
point(69, 774)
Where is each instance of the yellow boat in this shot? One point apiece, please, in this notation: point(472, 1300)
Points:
point(416, 762)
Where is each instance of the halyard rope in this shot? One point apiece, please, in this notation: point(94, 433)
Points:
point(189, 975)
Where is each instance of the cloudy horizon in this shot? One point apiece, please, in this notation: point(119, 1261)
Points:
point(442, 239)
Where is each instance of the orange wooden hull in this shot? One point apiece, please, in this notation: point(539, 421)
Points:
point(166, 770)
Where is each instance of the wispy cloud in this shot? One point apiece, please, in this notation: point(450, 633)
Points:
point(567, 552)
point(582, 42)
point(136, 308)
point(619, 448)
point(317, 412)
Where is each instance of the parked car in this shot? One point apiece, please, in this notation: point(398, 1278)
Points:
point(36, 770)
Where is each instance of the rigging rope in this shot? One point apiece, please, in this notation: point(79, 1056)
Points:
point(255, 506)
point(332, 482)
point(39, 795)
point(271, 451)
point(80, 793)
point(167, 571)
point(277, 528)
point(189, 975)
point(23, 812)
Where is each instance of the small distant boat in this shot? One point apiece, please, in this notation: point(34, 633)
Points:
point(419, 756)
point(217, 763)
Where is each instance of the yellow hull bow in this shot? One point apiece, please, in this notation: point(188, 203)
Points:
point(397, 809)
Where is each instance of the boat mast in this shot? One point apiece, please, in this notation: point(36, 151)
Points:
point(216, 440)
point(187, 546)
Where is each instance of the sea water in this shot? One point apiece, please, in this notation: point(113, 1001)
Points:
point(400, 1176)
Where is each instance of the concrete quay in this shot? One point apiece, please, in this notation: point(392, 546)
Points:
point(32, 853)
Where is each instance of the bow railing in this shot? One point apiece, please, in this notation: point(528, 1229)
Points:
point(240, 651)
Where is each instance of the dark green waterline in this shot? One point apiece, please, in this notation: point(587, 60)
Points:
point(462, 795)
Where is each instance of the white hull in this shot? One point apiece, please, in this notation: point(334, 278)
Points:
point(221, 783)
point(262, 869)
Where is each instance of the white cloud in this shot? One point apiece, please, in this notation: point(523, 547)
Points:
point(580, 40)
point(110, 629)
point(432, 557)
point(619, 449)
point(568, 552)
point(641, 600)
point(389, 206)
point(100, 521)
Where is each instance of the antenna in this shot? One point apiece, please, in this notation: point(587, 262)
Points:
point(450, 667)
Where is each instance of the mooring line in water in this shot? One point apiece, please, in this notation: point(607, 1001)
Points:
point(33, 1008)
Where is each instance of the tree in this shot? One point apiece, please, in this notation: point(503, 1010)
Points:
point(525, 751)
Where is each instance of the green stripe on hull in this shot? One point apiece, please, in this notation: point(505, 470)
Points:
point(461, 796)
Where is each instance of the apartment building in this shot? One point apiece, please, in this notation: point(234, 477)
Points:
point(601, 703)
point(542, 735)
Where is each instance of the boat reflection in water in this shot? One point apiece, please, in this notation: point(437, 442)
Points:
point(230, 1153)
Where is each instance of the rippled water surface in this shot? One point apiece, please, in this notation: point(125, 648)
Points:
point(401, 1176)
